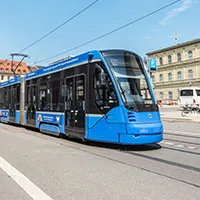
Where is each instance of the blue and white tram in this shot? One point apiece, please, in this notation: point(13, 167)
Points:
point(99, 96)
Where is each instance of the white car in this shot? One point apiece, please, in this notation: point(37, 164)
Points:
point(189, 96)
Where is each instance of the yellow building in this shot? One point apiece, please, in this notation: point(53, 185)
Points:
point(178, 67)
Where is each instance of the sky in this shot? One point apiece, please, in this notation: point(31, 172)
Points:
point(22, 22)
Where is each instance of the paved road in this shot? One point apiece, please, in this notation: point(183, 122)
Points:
point(42, 167)
point(169, 108)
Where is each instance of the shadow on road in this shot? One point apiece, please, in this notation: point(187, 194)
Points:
point(147, 147)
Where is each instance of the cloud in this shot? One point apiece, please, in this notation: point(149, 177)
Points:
point(184, 6)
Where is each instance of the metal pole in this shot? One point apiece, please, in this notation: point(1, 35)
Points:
point(22, 100)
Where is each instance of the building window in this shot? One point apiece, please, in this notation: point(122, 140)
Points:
point(1, 63)
point(190, 74)
point(169, 59)
point(153, 79)
point(7, 70)
point(190, 55)
point(24, 71)
point(179, 75)
point(8, 77)
point(179, 57)
point(169, 76)
point(1, 70)
point(161, 78)
point(161, 95)
point(19, 70)
point(161, 60)
point(2, 77)
point(170, 96)
point(8, 64)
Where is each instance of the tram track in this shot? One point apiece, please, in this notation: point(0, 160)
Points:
point(180, 141)
point(181, 135)
point(181, 150)
point(188, 167)
point(122, 149)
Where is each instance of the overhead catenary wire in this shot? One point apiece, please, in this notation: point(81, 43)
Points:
point(113, 31)
point(50, 32)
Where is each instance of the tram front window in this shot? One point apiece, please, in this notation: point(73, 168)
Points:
point(130, 77)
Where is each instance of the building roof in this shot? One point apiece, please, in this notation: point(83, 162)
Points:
point(175, 46)
point(5, 67)
point(33, 68)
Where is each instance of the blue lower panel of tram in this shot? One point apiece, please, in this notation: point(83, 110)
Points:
point(131, 128)
point(4, 116)
point(51, 122)
point(17, 117)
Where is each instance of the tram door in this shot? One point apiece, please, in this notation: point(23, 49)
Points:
point(31, 106)
point(75, 106)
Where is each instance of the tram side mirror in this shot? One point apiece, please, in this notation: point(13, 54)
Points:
point(102, 78)
point(101, 75)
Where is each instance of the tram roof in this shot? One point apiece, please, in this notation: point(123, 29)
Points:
point(63, 64)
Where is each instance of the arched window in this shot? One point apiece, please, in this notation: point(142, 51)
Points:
point(161, 95)
point(153, 79)
point(169, 59)
point(170, 95)
point(179, 75)
point(190, 56)
point(169, 76)
point(161, 60)
point(179, 57)
point(161, 78)
point(190, 74)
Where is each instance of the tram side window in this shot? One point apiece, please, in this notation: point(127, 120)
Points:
point(43, 103)
point(55, 96)
point(18, 98)
point(104, 92)
point(1, 98)
point(13, 97)
point(4, 98)
point(31, 98)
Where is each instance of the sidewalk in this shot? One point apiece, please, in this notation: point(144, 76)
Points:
point(175, 116)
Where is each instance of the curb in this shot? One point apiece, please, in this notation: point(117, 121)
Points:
point(179, 120)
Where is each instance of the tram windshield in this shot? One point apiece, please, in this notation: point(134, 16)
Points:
point(130, 77)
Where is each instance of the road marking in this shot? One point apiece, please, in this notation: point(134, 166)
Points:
point(179, 145)
point(30, 188)
point(191, 147)
point(182, 132)
point(169, 143)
